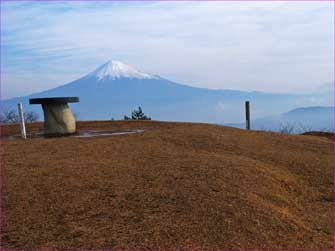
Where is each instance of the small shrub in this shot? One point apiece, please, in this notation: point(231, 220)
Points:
point(137, 115)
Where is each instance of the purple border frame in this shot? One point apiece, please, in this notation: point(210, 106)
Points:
point(63, 1)
point(167, 1)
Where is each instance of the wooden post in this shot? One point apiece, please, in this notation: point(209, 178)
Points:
point(22, 125)
point(247, 114)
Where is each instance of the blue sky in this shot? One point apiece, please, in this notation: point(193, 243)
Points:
point(265, 46)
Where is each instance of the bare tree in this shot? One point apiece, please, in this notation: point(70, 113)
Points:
point(30, 117)
point(287, 128)
point(12, 117)
point(305, 128)
point(9, 117)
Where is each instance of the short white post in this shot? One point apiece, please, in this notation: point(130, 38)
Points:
point(22, 125)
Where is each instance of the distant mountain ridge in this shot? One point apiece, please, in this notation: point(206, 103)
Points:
point(302, 110)
point(315, 118)
point(115, 88)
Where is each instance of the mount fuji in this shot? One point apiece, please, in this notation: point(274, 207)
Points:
point(114, 89)
point(116, 70)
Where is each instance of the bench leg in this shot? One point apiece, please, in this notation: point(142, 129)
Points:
point(58, 119)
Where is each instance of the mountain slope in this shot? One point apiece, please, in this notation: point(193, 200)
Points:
point(114, 89)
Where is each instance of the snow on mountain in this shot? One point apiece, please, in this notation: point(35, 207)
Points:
point(115, 70)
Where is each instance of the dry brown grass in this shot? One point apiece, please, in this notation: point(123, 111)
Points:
point(175, 186)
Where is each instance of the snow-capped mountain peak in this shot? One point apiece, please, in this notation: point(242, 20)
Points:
point(115, 70)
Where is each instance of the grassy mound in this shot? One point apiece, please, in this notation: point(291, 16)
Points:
point(174, 186)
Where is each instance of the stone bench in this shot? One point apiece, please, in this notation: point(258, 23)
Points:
point(58, 118)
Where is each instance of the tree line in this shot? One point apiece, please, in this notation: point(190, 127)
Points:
point(12, 117)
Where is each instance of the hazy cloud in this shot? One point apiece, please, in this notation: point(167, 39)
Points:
point(268, 46)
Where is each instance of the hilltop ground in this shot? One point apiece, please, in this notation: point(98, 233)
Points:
point(174, 186)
